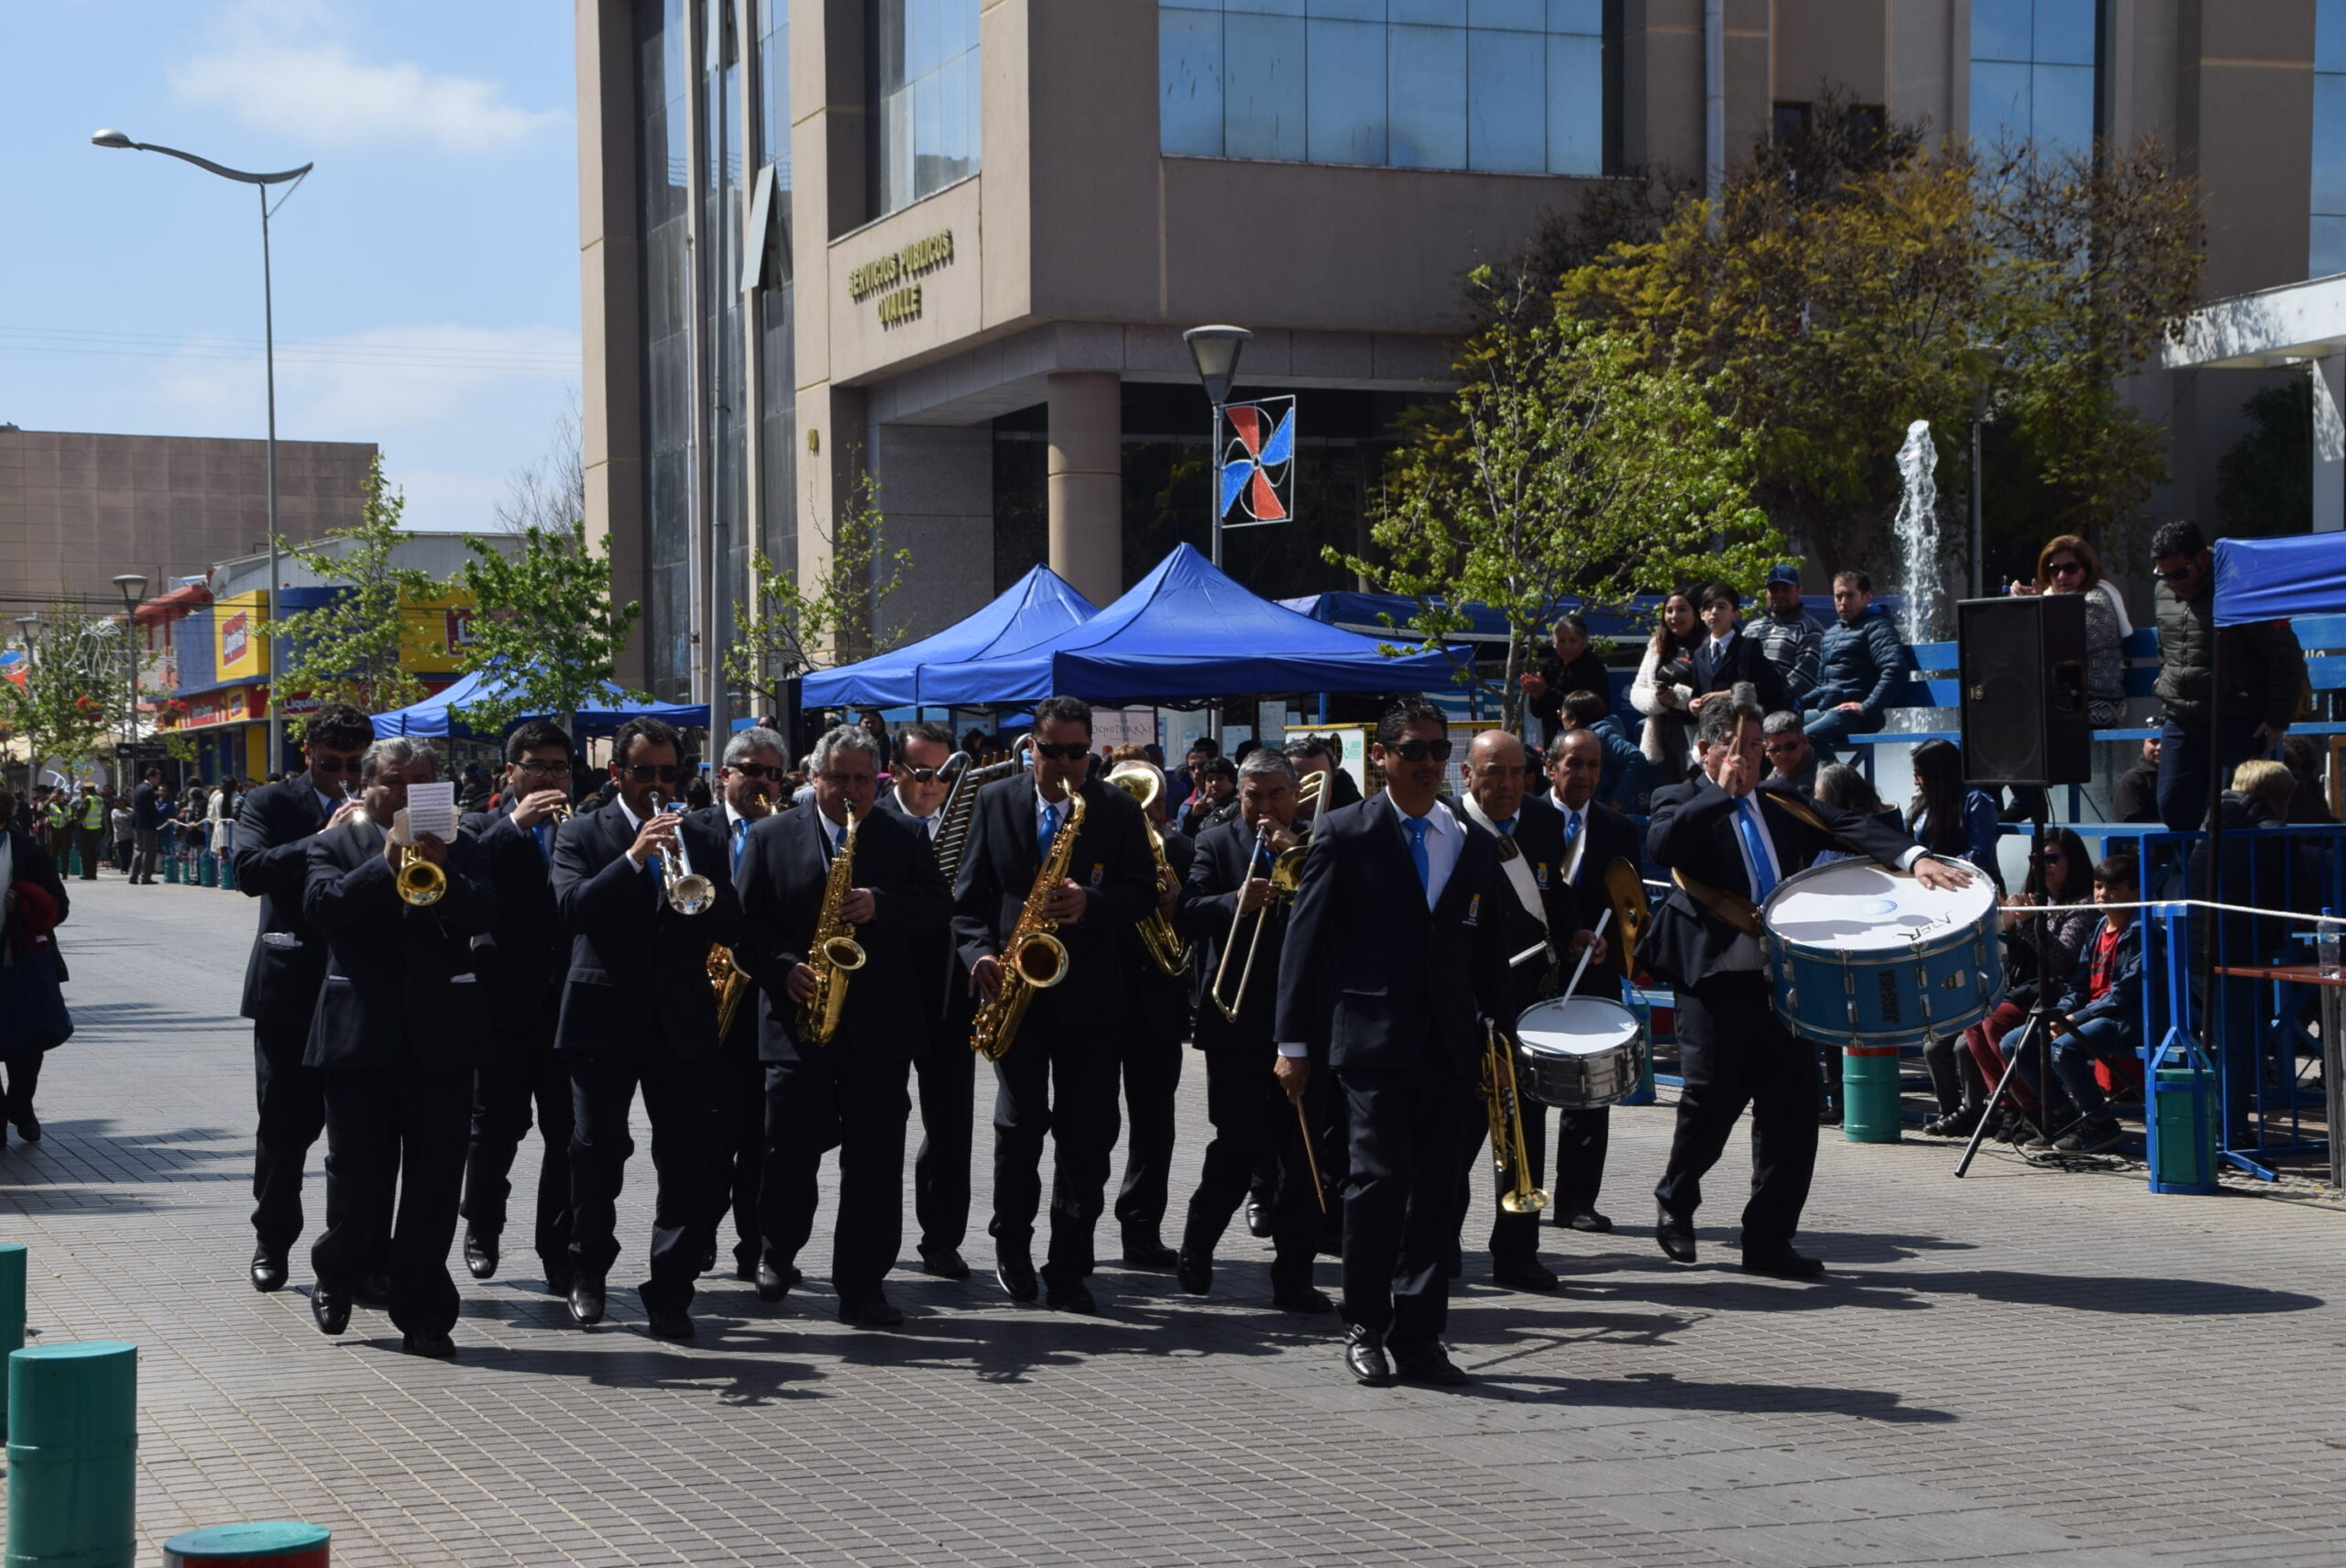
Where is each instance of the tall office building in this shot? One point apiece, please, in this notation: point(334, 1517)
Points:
point(953, 244)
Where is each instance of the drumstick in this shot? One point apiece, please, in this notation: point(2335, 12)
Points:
point(1589, 951)
point(1528, 954)
point(1304, 1127)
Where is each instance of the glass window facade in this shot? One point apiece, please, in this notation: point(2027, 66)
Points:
point(776, 304)
point(664, 188)
point(923, 58)
point(1510, 86)
point(2034, 74)
point(724, 341)
point(2327, 251)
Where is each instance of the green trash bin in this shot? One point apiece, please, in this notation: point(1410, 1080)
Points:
point(12, 1309)
point(2183, 1130)
point(1870, 1094)
point(278, 1543)
point(72, 1455)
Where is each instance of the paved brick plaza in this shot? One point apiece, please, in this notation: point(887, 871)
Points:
point(2026, 1365)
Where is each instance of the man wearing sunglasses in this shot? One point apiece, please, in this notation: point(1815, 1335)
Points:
point(1060, 1072)
point(637, 1013)
point(2264, 673)
point(288, 965)
point(1392, 972)
point(521, 962)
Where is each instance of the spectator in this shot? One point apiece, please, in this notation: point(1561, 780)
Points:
point(1788, 635)
point(2101, 1009)
point(1342, 791)
point(1791, 759)
point(1725, 658)
point(1309, 755)
point(2308, 806)
point(1218, 785)
point(1948, 816)
point(1664, 689)
point(2265, 675)
point(1182, 787)
point(1627, 777)
point(89, 830)
point(33, 1017)
point(119, 829)
point(2136, 798)
point(1837, 784)
point(1859, 662)
point(2060, 881)
point(1568, 665)
point(2067, 565)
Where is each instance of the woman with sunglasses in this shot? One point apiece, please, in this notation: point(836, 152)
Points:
point(1664, 689)
point(2067, 565)
point(2060, 882)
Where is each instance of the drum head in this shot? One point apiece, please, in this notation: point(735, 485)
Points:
point(1860, 906)
point(1576, 1025)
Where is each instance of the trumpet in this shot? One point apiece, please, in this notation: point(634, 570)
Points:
point(1286, 875)
point(1164, 946)
point(834, 954)
point(1504, 1103)
point(421, 884)
point(689, 893)
point(1033, 958)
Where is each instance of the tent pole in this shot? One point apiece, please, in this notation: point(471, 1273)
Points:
point(2209, 1019)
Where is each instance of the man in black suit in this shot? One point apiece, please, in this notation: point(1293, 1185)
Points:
point(637, 1011)
point(1252, 1121)
point(942, 1060)
point(1059, 1072)
point(1728, 843)
point(1537, 911)
point(1728, 658)
point(288, 963)
point(1152, 1054)
point(397, 1035)
point(1392, 973)
point(520, 962)
point(1595, 835)
point(145, 827)
point(847, 1090)
point(747, 783)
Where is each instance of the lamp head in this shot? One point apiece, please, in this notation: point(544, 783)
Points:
point(110, 138)
point(1216, 351)
point(132, 584)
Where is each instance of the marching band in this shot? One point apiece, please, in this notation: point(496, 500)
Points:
point(772, 976)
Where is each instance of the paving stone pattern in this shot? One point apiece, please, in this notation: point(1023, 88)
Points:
point(2024, 1365)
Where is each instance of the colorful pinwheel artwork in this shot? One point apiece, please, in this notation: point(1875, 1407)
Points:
point(1258, 462)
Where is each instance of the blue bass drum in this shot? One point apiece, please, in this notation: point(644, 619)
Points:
point(1863, 955)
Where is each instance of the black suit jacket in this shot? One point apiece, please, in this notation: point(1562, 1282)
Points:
point(145, 808)
point(1611, 837)
point(1163, 999)
point(1112, 862)
point(1539, 838)
point(937, 969)
point(743, 1035)
point(1745, 661)
point(523, 955)
point(1692, 830)
point(1217, 875)
point(638, 987)
point(274, 826)
point(392, 994)
point(1373, 979)
point(782, 875)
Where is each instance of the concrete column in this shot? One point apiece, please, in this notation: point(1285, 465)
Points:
point(2329, 442)
point(937, 501)
point(1085, 482)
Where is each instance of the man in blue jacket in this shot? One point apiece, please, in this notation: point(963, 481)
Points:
point(1859, 664)
point(2101, 1012)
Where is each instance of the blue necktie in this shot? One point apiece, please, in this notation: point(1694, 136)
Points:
point(1506, 825)
point(838, 840)
point(1050, 830)
point(545, 842)
point(1755, 844)
point(1572, 828)
point(740, 838)
point(1418, 856)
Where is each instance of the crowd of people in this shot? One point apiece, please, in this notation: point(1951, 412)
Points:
point(133, 829)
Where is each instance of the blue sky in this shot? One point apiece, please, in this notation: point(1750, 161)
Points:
point(426, 272)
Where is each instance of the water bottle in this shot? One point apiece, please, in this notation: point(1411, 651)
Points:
point(2325, 943)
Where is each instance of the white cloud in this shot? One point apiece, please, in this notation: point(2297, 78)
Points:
point(276, 65)
point(363, 385)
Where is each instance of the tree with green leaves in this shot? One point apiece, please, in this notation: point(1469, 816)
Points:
point(795, 623)
point(355, 647)
point(1566, 465)
point(65, 698)
point(547, 628)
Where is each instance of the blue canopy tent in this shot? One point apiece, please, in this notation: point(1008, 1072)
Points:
point(1034, 610)
point(2273, 579)
point(435, 716)
point(1185, 633)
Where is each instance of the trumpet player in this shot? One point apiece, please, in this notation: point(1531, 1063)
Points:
point(1152, 1045)
point(398, 1035)
point(1229, 889)
point(841, 864)
point(522, 961)
point(749, 779)
point(644, 897)
point(1059, 1070)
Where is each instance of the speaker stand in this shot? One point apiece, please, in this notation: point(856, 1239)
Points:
point(2038, 1026)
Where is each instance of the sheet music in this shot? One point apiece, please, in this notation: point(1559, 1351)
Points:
point(431, 808)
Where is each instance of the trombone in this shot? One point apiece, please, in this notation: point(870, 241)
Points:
point(1286, 875)
point(689, 893)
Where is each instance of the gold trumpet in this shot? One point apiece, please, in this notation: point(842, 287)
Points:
point(420, 882)
point(1286, 875)
point(1504, 1103)
point(1166, 948)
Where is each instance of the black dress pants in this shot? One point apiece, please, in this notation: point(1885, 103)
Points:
point(1401, 1197)
point(676, 1097)
point(1152, 1069)
point(1059, 1078)
point(947, 1070)
point(861, 1107)
point(24, 1079)
point(403, 1129)
point(739, 1140)
point(1733, 1052)
point(1582, 1138)
point(293, 1114)
point(1253, 1120)
point(1515, 1238)
point(503, 1092)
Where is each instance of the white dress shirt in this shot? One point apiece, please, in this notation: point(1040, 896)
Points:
point(1445, 842)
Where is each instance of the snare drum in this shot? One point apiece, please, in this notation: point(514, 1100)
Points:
point(1578, 1052)
point(1861, 954)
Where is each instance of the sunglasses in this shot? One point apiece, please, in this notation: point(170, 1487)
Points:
point(1062, 750)
point(923, 775)
point(646, 772)
point(2174, 577)
point(2063, 568)
point(755, 770)
point(1420, 750)
point(327, 765)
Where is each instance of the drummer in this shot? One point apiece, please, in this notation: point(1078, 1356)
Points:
point(1726, 844)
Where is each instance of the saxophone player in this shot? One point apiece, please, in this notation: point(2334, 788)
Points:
point(1068, 1040)
point(840, 865)
point(748, 779)
point(1152, 1044)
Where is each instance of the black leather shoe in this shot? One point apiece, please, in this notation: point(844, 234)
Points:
point(709, 1258)
point(480, 1253)
point(1075, 1298)
point(668, 1322)
point(1431, 1364)
point(1313, 1303)
point(944, 1262)
point(439, 1347)
point(773, 1283)
point(331, 1308)
point(28, 1127)
point(559, 1273)
point(1587, 1220)
point(875, 1313)
point(745, 1267)
point(267, 1270)
point(374, 1292)
point(1522, 1274)
point(1016, 1272)
point(1365, 1358)
point(1783, 1262)
point(1258, 1219)
point(1144, 1249)
point(1194, 1272)
point(586, 1302)
point(1676, 1236)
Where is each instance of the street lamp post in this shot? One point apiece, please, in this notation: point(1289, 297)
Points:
point(134, 588)
point(261, 183)
point(1216, 351)
point(1986, 358)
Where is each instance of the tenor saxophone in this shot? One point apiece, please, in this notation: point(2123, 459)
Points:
point(1033, 958)
point(834, 954)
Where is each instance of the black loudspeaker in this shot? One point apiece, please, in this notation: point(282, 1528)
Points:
point(2022, 663)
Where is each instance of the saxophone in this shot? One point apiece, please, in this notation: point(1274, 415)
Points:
point(1157, 938)
point(1033, 958)
point(835, 953)
point(727, 978)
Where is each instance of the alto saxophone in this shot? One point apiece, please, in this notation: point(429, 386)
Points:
point(1157, 938)
point(1033, 958)
point(727, 979)
point(835, 953)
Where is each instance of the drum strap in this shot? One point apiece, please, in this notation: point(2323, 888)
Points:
point(1512, 862)
point(1807, 813)
point(1732, 907)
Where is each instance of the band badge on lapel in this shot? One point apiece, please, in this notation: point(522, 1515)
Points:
point(1473, 909)
point(1099, 872)
point(1540, 870)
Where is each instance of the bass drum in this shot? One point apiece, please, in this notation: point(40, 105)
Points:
point(1863, 955)
point(1577, 1053)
